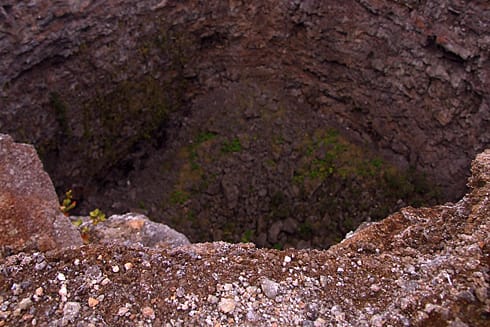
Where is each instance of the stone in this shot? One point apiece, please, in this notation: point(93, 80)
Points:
point(30, 218)
point(226, 305)
point(270, 288)
point(92, 302)
point(134, 228)
point(70, 312)
point(290, 225)
point(148, 313)
point(24, 304)
point(274, 231)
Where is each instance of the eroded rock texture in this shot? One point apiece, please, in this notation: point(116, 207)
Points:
point(97, 86)
point(408, 77)
point(29, 214)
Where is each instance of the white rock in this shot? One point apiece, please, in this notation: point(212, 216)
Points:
point(226, 305)
point(122, 311)
point(212, 299)
point(63, 292)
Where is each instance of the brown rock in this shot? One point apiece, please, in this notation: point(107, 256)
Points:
point(29, 214)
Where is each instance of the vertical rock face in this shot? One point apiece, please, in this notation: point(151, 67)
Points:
point(91, 82)
point(29, 214)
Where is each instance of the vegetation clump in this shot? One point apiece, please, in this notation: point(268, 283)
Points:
point(68, 203)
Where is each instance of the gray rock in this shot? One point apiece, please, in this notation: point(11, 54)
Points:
point(70, 312)
point(133, 228)
point(270, 288)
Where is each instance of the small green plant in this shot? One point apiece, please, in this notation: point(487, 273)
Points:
point(277, 246)
point(179, 197)
point(247, 236)
point(97, 216)
point(77, 223)
point(231, 146)
point(68, 203)
point(205, 136)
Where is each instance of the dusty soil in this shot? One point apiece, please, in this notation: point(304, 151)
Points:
point(419, 267)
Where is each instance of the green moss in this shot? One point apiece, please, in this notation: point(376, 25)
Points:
point(205, 136)
point(179, 197)
point(231, 146)
point(305, 230)
point(338, 176)
point(277, 246)
point(247, 236)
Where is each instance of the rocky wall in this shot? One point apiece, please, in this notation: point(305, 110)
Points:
point(95, 85)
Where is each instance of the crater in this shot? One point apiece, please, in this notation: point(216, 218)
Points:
point(284, 124)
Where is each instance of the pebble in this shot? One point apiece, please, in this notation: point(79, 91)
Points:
point(63, 292)
point(212, 299)
point(115, 268)
point(40, 266)
point(61, 277)
point(71, 311)
point(16, 289)
point(252, 316)
point(226, 305)
point(324, 281)
point(180, 292)
point(269, 287)
point(148, 313)
point(122, 311)
point(39, 291)
point(24, 304)
point(128, 266)
point(92, 302)
point(287, 259)
point(375, 288)
point(481, 294)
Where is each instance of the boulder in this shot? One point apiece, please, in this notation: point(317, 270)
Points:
point(132, 229)
point(30, 218)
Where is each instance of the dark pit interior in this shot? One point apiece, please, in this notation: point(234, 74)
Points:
point(286, 125)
